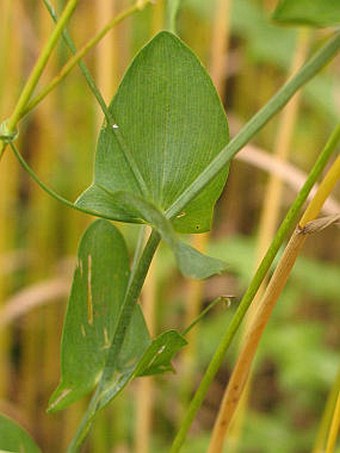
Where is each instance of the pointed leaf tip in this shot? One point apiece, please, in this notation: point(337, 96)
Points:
point(168, 124)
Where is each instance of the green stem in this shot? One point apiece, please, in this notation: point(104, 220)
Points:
point(260, 274)
point(47, 189)
point(82, 66)
point(326, 419)
point(276, 103)
point(76, 59)
point(37, 71)
point(92, 85)
point(102, 396)
point(203, 313)
point(172, 10)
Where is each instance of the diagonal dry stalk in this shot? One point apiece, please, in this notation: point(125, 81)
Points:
point(10, 125)
point(334, 427)
point(237, 382)
point(330, 418)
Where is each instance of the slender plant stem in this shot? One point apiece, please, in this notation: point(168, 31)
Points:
point(102, 395)
point(203, 313)
point(276, 103)
point(172, 10)
point(265, 306)
point(95, 90)
point(269, 220)
point(86, 73)
point(322, 193)
point(260, 274)
point(327, 416)
point(35, 75)
point(73, 61)
point(47, 189)
point(334, 426)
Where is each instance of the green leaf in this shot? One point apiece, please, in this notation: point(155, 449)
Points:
point(168, 125)
point(98, 289)
point(190, 262)
point(14, 439)
point(156, 359)
point(317, 13)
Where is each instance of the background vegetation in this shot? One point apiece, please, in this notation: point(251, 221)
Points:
point(249, 58)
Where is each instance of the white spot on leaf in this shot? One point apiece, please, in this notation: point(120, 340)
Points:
point(160, 350)
point(106, 339)
point(63, 395)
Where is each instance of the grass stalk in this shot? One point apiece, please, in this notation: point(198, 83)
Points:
point(326, 419)
point(257, 324)
point(219, 45)
point(257, 122)
point(106, 52)
point(287, 121)
point(272, 203)
point(33, 79)
point(75, 59)
point(334, 428)
point(252, 289)
point(11, 52)
point(38, 337)
point(158, 16)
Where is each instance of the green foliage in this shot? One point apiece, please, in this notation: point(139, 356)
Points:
point(99, 285)
point(98, 288)
point(13, 438)
point(159, 162)
point(191, 263)
point(273, 45)
point(306, 365)
point(318, 13)
point(168, 125)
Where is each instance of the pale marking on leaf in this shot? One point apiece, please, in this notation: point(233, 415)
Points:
point(63, 395)
point(89, 291)
point(160, 350)
point(181, 214)
point(106, 339)
point(83, 331)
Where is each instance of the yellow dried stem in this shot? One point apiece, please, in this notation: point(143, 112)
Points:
point(334, 428)
point(328, 415)
point(11, 53)
point(246, 356)
point(272, 202)
point(220, 44)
